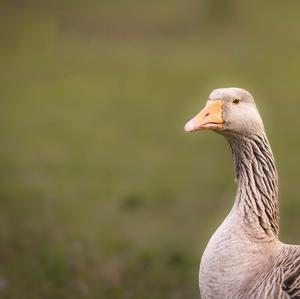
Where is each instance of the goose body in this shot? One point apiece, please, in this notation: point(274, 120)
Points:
point(244, 258)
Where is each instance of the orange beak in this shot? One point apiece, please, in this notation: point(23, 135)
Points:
point(210, 118)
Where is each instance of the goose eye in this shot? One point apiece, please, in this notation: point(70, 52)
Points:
point(236, 101)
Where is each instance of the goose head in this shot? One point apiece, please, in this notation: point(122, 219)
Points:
point(228, 111)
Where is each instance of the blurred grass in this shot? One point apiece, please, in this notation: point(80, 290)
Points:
point(102, 194)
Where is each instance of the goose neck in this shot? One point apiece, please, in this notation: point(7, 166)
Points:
point(257, 194)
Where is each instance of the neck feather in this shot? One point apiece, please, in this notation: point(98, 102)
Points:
point(257, 195)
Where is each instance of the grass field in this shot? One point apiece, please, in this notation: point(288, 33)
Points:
point(102, 194)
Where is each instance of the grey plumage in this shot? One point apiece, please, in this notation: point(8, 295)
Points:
point(244, 258)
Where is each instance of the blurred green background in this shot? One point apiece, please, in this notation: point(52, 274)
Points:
point(102, 194)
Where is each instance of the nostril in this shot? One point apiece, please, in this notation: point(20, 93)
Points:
point(207, 114)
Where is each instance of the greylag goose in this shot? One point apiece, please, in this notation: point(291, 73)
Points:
point(244, 258)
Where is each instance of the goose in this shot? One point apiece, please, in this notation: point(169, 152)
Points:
point(244, 258)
